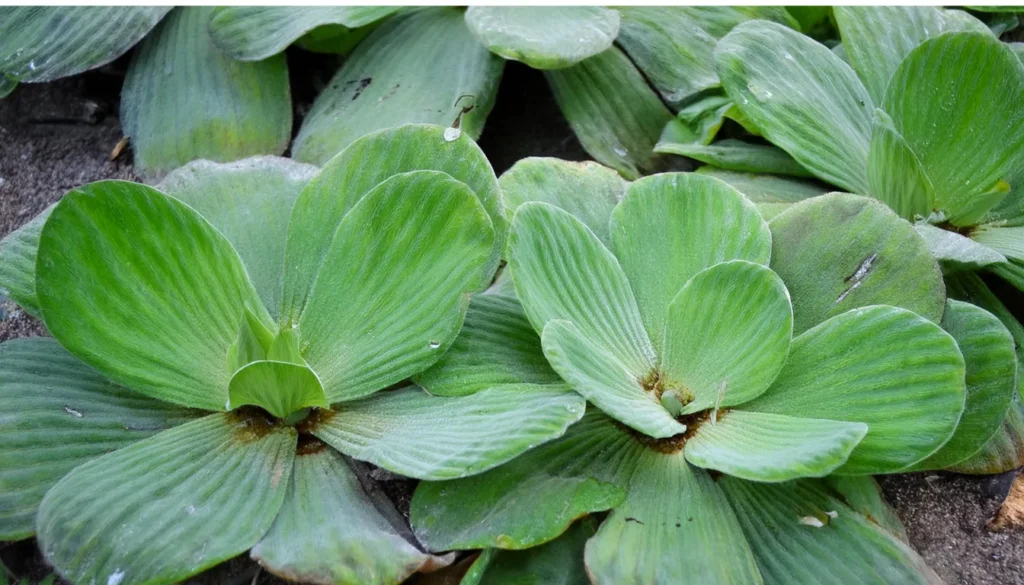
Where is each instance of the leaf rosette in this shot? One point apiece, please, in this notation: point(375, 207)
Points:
point(230, 346)
point(728, 402)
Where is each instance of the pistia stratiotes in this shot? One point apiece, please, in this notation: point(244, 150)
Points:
point(286, 296)
point(709, 418)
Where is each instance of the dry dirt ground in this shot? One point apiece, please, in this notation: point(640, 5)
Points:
point(56, 136)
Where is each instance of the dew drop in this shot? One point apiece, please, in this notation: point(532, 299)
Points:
point(116, 577)
point(227, 404)
point(190, 509)
point(451, 134)
point(761, 93)
point(621, 151)
point(73, 412)
point(435, 344)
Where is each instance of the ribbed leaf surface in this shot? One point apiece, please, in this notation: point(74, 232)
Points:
point(280, 388)
point(887, 367)
point(330, 532)
point(895, 174)
point(139, 286)
point(770, 194)
point(956, 252)
point(533, 498)
point(58, 414)
point(18, 252)
point(559, 561)
point(736, 155)
point(393, 290)
point(400, 431)
point(413, 68)
point(170, 506)
point(184, 100)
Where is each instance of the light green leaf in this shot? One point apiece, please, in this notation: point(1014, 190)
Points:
point(877, 38)
point(170, 506)
point(280, 388)
point(559, 561)
point(399, 431)
point(18, 252)
point(1005, 450)
point(250, 202)
point(184, 100)
point(497, 345)
point(991, 363)
point(956, 252)
point(863, 494)
point(698, 122)
point(674, 45)
point(586, 189)
point(57, 415)
point(601, 376)
point(736, 155)
point(336, 39)
point(778, 521)
point(348, 177)
point(252, 33)
point(562, 271)
point(1008, 241)
point(887, 367)
point(393, 290)
point(971, 82)
point(330, 531)
point(771, 447)
point(727, 335)
point(533, 498)
point(413, 68)
point(895, 175)
point(804, 99)
point(43, 43)
point(839, 252)
point(139, 286)
point(544, 37)
point(770, 194)
point(674, 527)
point(614, 113)
point(670, 227)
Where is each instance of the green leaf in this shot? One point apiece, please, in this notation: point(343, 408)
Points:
point(330, 531)
point(606, 381)
point(7, 86)
point(778, 521)
point(280, 388)
point(991, 363)
point(674, 527)
point(970, 81)
point(614, 113)
point(544, 37)
point(139, 286)
point(249, 201)
point(170, 506)
point(887, 367)
point(252, 33)
point(839, 252)
point(770, 194)
point(1008, 241)
point(562, 271)
point(18, 252)
point(43, 43)
point(736, 155)
point(877, 38)
point(670, 227)
point(497, 345)
point(771, 447)
point(863, 494)
point(348, 177)
point(531, 499)
point(184, 100)
point(586, 189)
point(413, 68)
point(559, 561)
point(956, 252)
point(727, 335)
point(58, 414)
point(804, 99)
point(392, 292)
point(895, 175)
point(1005, 450)
point(674, 45)
point(698, 122)
point(399, 430)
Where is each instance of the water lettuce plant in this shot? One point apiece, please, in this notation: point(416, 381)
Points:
point(729, 365)
point(223, 345)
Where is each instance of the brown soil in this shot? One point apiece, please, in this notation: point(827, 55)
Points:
point(54, 137)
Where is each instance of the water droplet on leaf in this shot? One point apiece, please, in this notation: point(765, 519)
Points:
point(451, 134)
